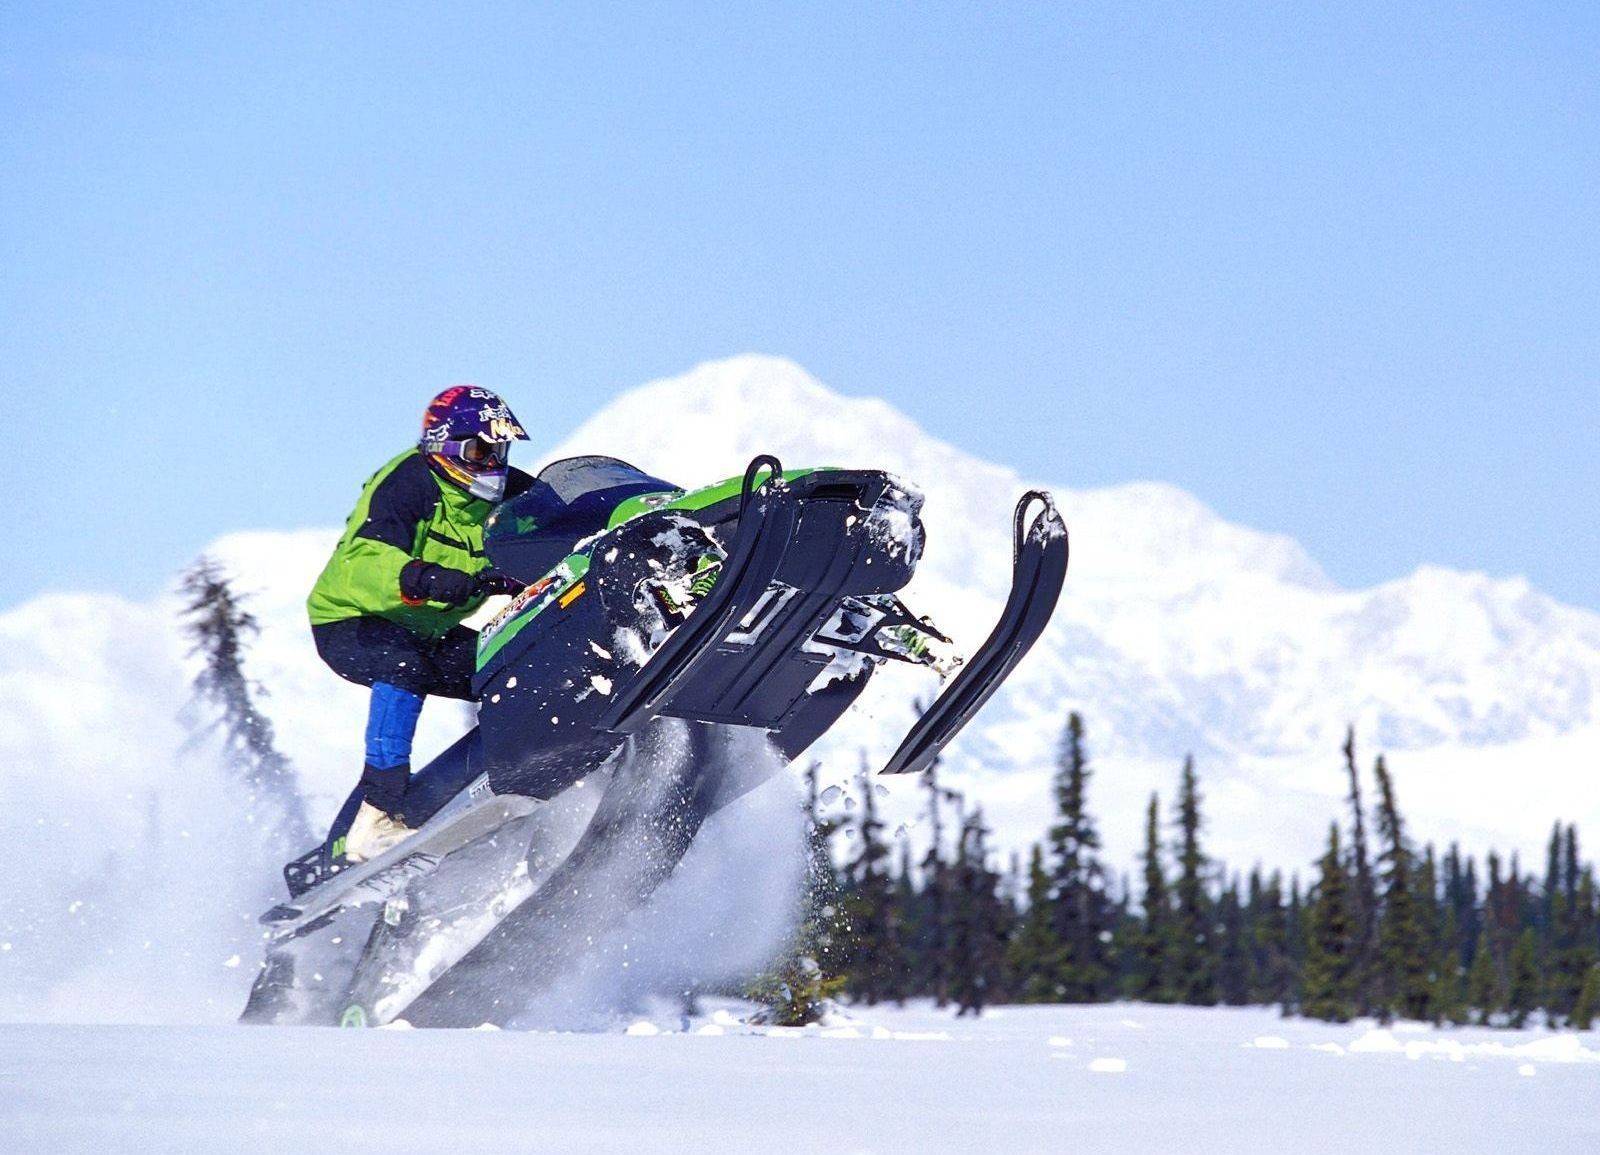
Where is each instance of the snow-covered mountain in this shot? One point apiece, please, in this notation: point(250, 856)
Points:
point(1181, 632)
point(1177, 632)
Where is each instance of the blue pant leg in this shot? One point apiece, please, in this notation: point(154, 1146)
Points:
point(391, 726)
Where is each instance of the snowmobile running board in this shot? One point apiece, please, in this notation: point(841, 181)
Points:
point(1039, 568)
point(475, 811)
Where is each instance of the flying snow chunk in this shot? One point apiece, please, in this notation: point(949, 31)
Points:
point(1270, 1043)
point(1109, 1066)
point(643, 1029)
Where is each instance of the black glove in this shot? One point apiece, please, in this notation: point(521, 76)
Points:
point(424, 581)
point(491, 582)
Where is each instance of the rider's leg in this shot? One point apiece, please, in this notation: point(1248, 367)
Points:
point(397, 664)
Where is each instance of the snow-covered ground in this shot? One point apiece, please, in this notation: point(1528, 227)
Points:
point(1019, 1079)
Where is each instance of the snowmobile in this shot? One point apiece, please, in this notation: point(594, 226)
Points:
point(671, 650)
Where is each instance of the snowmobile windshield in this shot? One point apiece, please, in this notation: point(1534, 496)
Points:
point(570, 500)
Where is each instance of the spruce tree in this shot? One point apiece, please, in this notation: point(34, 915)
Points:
point(1407, 976)
point(1081, 916)
point(795, 989)
point(1271, 973)
point(1231, 949)
point(936, 905)
point(1449, 995)
point(878, 963)
point(1469, 911)
point(1524, 984)
point(1571, 942)
point(1148, 978)
point(1191, 958)
point(1034, 953)
point(979, 923)
point(1364, 893)
point(1329, 978)
point(218, 625)
point(1294, 920)
point(1486, 984)
point(1587, 1008)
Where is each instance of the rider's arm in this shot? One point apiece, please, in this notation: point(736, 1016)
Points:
point(387, 542)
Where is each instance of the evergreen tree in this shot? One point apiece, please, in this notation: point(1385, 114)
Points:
point(1587, 1008)
point(934, 940)
point(218, 625)
point(1034, 953)
point(795, 989)
point(1081, 918)
point(1472, 920)
point(1272, 968)
point(1231, 950)
point(1126, 929)
point(1329, 977)
point(1486, 984)
point(1449, 995)
point(979, 924)
point(1148, 977)
point(1524, 982)
point(1570, 939)
point(1364, 893)
point(908, 908)
point(1295, 926)
point(1191, 960)
point(878, 963)
point(1552, 893)
point(1404, 957)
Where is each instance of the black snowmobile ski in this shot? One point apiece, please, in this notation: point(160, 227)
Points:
point(1039, 568)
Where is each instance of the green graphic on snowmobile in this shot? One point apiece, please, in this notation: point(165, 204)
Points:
point(553, 586)
point(529, 604)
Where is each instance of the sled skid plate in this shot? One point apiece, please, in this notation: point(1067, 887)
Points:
point(1039, 568)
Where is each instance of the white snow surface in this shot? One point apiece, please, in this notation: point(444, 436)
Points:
point(1119, 1078)
point(130, 874)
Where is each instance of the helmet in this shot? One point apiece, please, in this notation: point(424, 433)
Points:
point(466, 434)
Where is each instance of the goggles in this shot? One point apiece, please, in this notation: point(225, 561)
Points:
point(484, 454)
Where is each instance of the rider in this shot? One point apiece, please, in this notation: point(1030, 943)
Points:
point(387, 610)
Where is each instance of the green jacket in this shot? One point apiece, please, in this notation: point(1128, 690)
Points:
point(406, 512)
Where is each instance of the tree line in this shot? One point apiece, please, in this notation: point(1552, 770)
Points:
point(1381, 928)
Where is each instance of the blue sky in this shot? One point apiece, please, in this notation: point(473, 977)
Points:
point(1337, 271)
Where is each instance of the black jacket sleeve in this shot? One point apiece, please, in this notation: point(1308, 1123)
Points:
point(401, 502)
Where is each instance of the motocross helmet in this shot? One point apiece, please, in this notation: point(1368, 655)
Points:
point(467, 433)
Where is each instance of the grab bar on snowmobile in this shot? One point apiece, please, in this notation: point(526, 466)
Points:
point(1021, 529)
point(775, 472)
